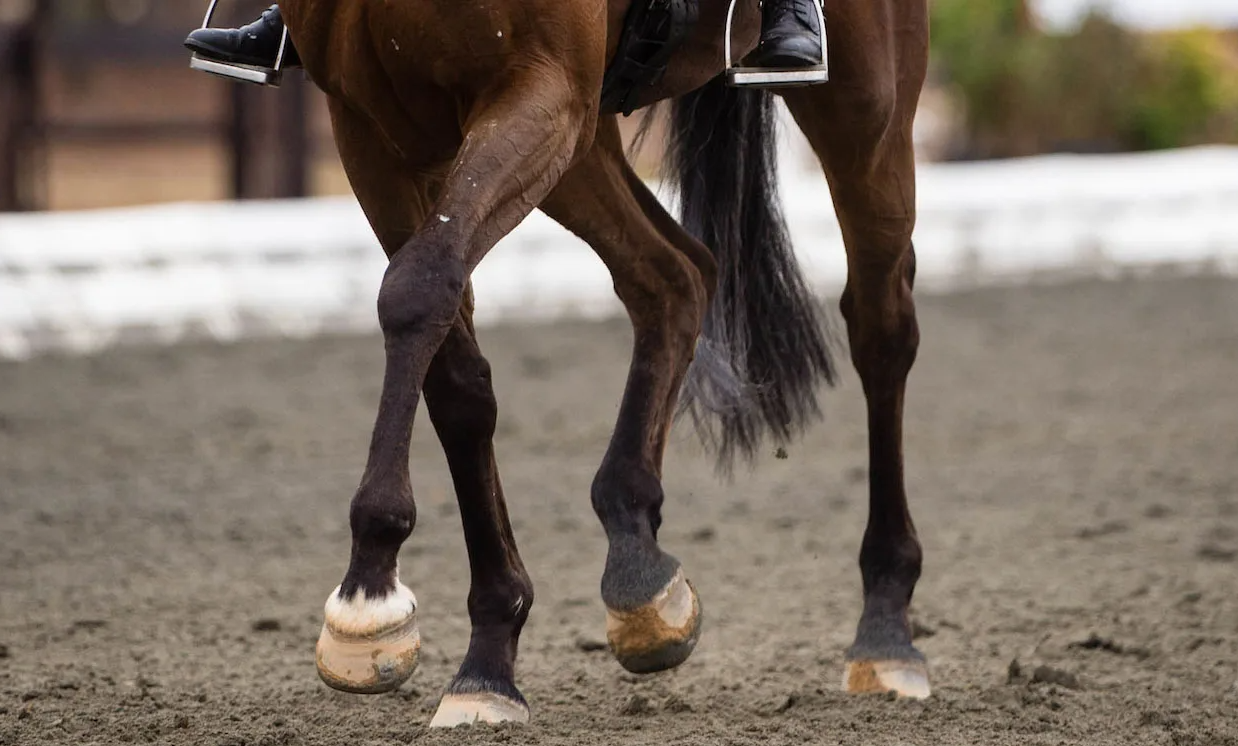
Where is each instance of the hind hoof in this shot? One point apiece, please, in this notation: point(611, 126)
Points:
point(906, 678)
point(659, 635)
point(369, 646)
point(479, 707)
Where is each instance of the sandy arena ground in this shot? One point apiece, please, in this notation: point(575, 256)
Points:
point(173, 520)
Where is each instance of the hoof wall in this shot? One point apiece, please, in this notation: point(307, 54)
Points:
point(660, 635)
point(480, 707)
point(370, 648)
point(905, 678)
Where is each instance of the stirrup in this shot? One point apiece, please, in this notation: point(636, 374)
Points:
point(267, 76)
point(776, 77)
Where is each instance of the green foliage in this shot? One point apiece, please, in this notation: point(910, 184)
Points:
point(1099, 88)
point(1189, 93)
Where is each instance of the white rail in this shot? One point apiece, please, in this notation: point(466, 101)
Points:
point(79, 282)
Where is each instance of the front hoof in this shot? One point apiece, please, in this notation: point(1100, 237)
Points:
point(478, 707)
point(659, 635)
point(906, 678)
point(369, 645)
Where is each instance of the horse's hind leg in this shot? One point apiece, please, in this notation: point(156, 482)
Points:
point(664, 278)
point(461, 403)
point(860, 126)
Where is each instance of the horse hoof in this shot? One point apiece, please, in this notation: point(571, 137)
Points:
point(478, 707)
point(659, 635)
point(906, 678)
point(369, 645)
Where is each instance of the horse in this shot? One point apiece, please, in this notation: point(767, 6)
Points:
point(456, 120)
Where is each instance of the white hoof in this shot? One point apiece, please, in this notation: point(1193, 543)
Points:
point(905, 678)
point(369, 645)
point(479, 707)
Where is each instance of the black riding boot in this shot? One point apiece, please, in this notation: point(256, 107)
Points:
point(790, 34)
point(256, 44)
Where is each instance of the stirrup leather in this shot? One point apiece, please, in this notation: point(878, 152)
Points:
point(775, 77)
point(267, 76)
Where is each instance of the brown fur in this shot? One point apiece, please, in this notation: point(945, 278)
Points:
point(455, 120)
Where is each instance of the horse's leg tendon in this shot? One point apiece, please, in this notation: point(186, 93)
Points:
point(664, 278)
point(861, 127)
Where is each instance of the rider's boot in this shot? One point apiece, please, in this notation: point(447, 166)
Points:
point(790, 35)
point(256, 44)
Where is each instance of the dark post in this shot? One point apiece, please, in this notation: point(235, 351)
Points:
point(270, 140)
point(18, 115)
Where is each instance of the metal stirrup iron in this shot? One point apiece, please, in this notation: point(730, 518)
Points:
point(268, 76)
point(776, 77)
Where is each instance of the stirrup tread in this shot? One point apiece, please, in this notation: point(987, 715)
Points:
point(777, 77)
point(266, 76)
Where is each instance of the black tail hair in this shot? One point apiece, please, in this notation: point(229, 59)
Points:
point(765, 347)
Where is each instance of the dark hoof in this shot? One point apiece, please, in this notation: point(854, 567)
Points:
point(665, 658)
point(659, 635)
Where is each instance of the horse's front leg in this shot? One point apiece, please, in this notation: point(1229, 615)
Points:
point(369, 641)
point(664, 278)
point(518, 142)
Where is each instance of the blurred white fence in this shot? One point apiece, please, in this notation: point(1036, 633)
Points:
point(79, 282)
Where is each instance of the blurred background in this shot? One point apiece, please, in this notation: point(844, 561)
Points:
point(98, 107)
point(173, 509)
point(140, 199)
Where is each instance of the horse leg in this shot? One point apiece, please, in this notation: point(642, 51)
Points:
point(860, 125)
point(460, 400)
point(369, 640)
point(516, 145)
point(664, 278)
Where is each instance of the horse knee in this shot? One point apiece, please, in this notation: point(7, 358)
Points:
point(422, 287)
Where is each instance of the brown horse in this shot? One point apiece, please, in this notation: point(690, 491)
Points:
point(454, 121)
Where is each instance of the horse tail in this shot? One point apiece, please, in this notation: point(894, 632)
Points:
point(764, 348)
